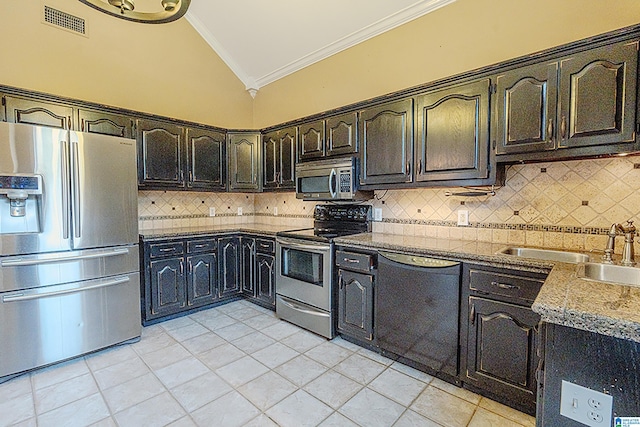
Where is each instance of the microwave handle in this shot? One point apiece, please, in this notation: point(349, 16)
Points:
point(332, 183)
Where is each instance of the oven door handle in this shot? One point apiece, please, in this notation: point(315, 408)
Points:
point(332, 183)
point(294, 244)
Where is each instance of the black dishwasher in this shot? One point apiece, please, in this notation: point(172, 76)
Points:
point(417, 307)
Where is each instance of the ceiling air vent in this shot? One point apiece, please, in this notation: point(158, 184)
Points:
point(64, 20)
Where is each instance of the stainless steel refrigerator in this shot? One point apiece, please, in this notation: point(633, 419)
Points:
point(69, 266)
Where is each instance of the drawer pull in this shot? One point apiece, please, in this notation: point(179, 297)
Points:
point(167, 250)
point(262, 245)
point(504, 286)
point(200, 246)
point(352, 261)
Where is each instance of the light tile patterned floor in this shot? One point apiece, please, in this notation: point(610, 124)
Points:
point(238, 365)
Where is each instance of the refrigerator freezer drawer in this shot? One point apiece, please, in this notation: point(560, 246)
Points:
point(32, 271)
point(46, 325)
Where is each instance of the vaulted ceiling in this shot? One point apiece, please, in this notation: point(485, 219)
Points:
point(265, 40)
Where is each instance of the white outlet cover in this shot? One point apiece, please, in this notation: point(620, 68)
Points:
point(377, 214)
point(586, 406)
point(275, 211)
point(463, 217)
point(239, 211)
point(212, 211)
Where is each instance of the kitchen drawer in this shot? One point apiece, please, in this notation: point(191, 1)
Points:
point(202, 245)
point(505, 285)
point(265, 246)
point(354, 261)
point(165, 249)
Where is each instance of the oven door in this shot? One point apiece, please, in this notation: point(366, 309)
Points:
point(304, 271)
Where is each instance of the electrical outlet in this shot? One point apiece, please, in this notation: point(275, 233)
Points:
point(275, 211)
point(586, 406)
point(463, 217)
point(239, 211)
point(377, 214)
point(212, 211)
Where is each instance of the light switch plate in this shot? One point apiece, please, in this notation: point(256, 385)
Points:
point(586, 406)
point(377, 214)
point(239, 211)
point(212, 211)
point(463, 217)
point(275, 211)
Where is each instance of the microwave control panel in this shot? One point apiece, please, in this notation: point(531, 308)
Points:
point(344, 181)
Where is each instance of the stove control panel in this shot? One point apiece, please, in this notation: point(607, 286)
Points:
point(360, 213)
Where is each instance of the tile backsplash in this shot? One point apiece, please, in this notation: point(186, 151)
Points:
point(567, 204)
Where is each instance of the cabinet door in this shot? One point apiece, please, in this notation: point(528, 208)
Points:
point(265, 278)
point(341, 134)
point(202, 279)
point(206, 159)
point(598, 96)
point(270, 145)
point(355, 304)
point(501, 353)
point(525, 118)
point(229, 253)
point(244, 161)
point(160, 154)
point(453, 133)
point(167, 287)
point(105, 123)
point(386, 140)
point(288, 142)
point(248, 261)
point(311, 140)
point(34, 112)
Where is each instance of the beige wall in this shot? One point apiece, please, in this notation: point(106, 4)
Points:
point(462, 36)
point(162, 69)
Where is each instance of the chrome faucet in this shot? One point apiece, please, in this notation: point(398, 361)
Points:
point(628, 254)
point(611, 244)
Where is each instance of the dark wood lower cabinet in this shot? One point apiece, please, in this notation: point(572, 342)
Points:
point(266, 279)
point(355, 304)
point(248, 262)
point(229, 252)
point(167, 293)
point(202, 279)
point(499, 334)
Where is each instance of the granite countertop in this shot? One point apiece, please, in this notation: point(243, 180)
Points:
point(252, 228)
point(564, 299)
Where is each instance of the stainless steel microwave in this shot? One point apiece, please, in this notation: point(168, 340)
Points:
point(333, 179)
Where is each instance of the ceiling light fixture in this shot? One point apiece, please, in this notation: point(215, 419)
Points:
point(167, 10)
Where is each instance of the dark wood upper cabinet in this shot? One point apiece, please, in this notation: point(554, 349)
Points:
point(526, 109)
point(386, 142)
point(597, 102)
point(206, 159)
point(279, 148)
point(36, 112)
point(341, 134)
point(160, 154)
point(93, 121)
point(312, 140)
point(243, 156)
point(453, 133)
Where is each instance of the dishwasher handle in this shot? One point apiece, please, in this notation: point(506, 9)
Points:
point(417, 261)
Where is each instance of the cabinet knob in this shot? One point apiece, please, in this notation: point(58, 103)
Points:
point(408, 167)
point(563, 127)
point(550, 131)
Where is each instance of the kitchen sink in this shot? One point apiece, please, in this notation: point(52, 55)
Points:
point(609, 273)
point(545, 254)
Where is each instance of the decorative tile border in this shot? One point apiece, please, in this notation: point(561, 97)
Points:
point(227, 215)
point(503, 226)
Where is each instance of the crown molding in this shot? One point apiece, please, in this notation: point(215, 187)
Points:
point(252, 84)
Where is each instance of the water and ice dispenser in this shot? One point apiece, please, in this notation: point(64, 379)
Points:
point(19, 203)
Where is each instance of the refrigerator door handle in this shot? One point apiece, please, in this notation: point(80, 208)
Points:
point(21, 262)
point(75, 187)
point(65, 188)
point(26, 295)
